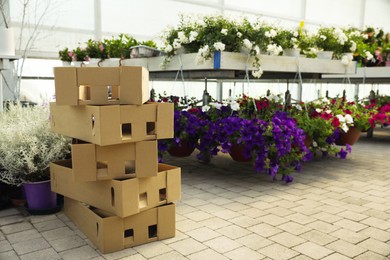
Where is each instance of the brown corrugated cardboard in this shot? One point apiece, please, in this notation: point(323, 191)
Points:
point(116, 124)
point(91, 162)
point(122, 197)
point(111, 233)
point(101, 86)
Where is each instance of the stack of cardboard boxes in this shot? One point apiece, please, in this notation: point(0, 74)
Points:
point(115, 190)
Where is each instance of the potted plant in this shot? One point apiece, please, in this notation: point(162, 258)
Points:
point(27, 146)
point(329, 40)
point(66, 56)
point(79, 56)
point(96, 50)
point(289, 41)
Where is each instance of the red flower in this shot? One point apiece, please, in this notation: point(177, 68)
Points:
point(347, 111)
point(335, 122)
point(326, 116)
point(333, 101)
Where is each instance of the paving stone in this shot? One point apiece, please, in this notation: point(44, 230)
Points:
point(153, 249)
point(198, 215)
point(351, 225)
point(376, 222)
point(222, 244)
point(48, 253)
point(336, 256)
point(12, 219)
point(265, 230)
point(354, 216)
point(346, 248)
point(49, 225)
point(170, 255)
point(5, 246)
point(14, 228)
point(376, 233)
point(294, 228)
point(318, 237)
point(42, 218)
point(9, 212)
point(370, 256)
point(207, 254)
point(301, 218)
point(67, 242)
point(210, 208)
point(276, 251)
point(23, 236)
point(84, 252)
point(287, 239)
point(313, 250)
point(203, 234)
point(9, 255)
point(187, 246)
point(226, 214)
point(253, 213)
point(127, 252)
point(58, 233)
point(254, 241)
point(233, 231)
point(327, 217)
point(349, 236)
point(244, 253)
point(30, 245)
point(272, 219)
point(213, 223)
point(187, 225)
point(376, 246)
point(244, 221)
point(179, 236)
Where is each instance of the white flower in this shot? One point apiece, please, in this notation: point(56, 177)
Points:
point(216, 105)
point(182, 37)
point(353, 47)
point(193, 36)
point(168, 48)
point(206, 108)
point(315, 144)
point(295, 34)
point(270, 34)
point(323, 37)
point(345, 60)
point(274, 49)
point(298, 107)
point(365, 36)
point(257, 73)
point(369, 56)
point(247, 44)
point(341, 118)
point(239, 35)
point(234, 106)
point(328, 111)
point(318, 110)
point(224, 31)
point(219, 46)
point(348, 119)
point(345, 127)
point(257, 50)
point(176, 44)
point(202, 54)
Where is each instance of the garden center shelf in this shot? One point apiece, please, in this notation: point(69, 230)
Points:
point(366, 75)
point(231, 65)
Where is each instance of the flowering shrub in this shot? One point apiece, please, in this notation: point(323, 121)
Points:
point(27, 145)
point(96, 49)
point(316, 120)
point(66, 55)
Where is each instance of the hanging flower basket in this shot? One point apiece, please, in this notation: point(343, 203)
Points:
point(351, 137)
point(237, 153)
point(182, 149)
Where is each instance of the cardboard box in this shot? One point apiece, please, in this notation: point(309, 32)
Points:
point(91, 162)
point(101, 86)
point(116, 124)
point(111, 233)
point(122, 197)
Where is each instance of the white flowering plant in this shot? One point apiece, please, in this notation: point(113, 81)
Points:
point(205, 35)
point(330, 39)
point(27, 144)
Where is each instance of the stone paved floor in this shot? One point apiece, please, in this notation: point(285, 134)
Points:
point(334, 209)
